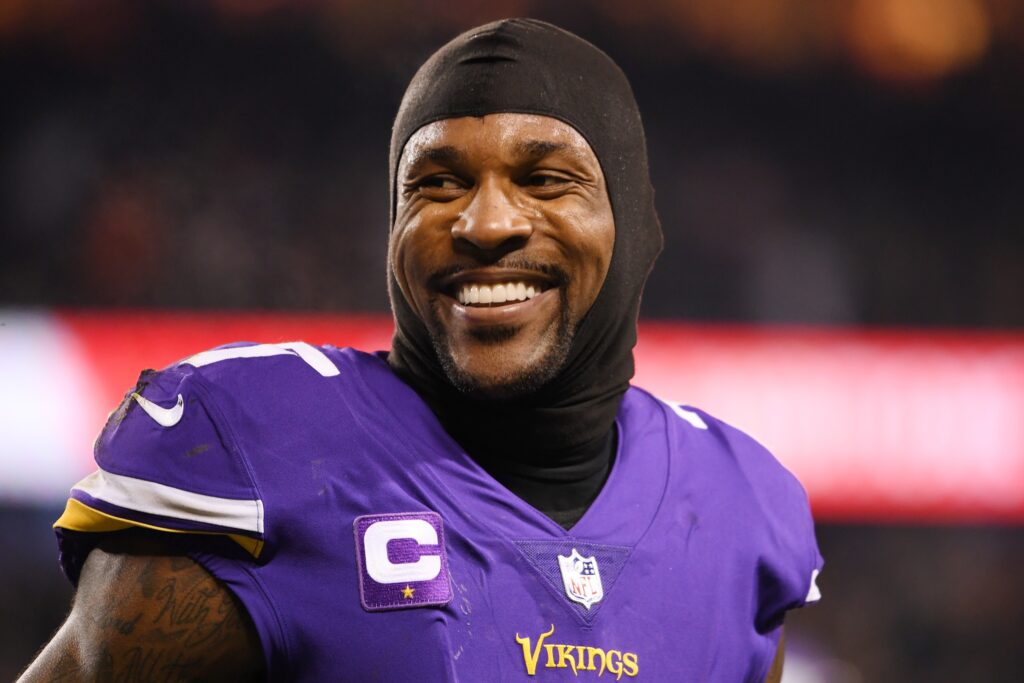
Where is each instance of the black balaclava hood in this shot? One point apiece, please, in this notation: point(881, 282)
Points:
point(531, 67)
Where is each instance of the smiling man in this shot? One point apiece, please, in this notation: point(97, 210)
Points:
point(502, 239)
point(489, 500)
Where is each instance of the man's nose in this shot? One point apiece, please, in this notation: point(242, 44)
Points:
point(492, 222)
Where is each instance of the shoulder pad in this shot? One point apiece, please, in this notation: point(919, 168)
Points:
point(789, 558)
point(166, 461)
point(169, 456)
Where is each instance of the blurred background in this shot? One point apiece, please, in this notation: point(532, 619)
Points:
point(841, 188)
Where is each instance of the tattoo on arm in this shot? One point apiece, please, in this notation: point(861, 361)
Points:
point(151, 618)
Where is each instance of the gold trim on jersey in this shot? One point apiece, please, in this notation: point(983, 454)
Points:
point(80, 517)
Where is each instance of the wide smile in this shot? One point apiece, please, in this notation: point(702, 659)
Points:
point(497, 297)
point(497, 294)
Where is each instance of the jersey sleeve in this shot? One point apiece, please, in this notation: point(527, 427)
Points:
point(788, 561)
point(773, 517)
point(165, 461)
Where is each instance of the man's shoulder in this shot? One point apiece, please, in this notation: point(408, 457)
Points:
point(245, 363)
point(709, 446)
point(684, 421)
point(736, 485)
point(184, 425)
point(198, 445)
point(212, 400)
point(213, 386)
point(258, 377)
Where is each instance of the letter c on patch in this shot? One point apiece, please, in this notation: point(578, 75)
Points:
point(375, 545)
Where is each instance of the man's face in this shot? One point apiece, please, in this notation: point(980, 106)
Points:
point(502, 238)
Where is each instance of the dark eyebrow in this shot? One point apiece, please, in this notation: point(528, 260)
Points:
point(538, 149)
point(445, 155)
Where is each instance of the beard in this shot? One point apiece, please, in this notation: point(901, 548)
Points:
point(517, 382)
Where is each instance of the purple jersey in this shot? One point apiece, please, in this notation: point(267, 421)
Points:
point(370, 547)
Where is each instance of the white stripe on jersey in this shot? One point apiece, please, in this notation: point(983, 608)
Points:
point(693, 418)
point(310, 354)
point(158, 499)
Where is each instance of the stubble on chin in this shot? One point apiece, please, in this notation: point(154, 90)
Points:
point(513, 383)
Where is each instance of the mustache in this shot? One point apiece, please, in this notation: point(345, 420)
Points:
point(559, 276)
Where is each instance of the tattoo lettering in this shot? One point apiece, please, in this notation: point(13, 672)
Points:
point(142, 665)
point(149, 617)
point(198, 613)
point(122, 626)
point(182, 626)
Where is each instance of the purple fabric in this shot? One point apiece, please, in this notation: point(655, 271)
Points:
point(196, 454)
point(702, 539)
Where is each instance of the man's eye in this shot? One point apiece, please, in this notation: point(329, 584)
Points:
point(436, 188)
point(545, 180)
point(441, 183)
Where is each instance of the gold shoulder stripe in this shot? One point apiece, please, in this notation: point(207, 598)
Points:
point(80, 517)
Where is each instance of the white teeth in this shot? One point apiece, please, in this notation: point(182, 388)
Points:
point(496, 294)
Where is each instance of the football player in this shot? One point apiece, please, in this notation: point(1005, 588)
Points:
point(490, 500)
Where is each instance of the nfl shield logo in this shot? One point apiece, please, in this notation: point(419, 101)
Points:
point(581, 578)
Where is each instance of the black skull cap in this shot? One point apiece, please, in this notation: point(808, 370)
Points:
point(532, 67)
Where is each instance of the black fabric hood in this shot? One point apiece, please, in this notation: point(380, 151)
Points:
point(529, 66)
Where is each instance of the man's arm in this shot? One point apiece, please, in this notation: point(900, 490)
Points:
point(142, 616)
point(775, 673)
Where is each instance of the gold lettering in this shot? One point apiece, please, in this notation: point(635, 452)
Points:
point(604, 659)
point(630, 664)
point(530, 658)
point(615, 663)
point(577, 657)
point(580, 651)
point(565, 655)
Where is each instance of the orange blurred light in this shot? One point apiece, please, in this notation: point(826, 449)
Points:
point(763, 33)
point(918, 40)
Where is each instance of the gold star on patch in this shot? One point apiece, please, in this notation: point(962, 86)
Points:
point(407, 592)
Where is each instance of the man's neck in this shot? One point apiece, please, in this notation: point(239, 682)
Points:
point(562, 486)
point(552, 452)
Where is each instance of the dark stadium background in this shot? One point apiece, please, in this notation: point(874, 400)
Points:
point(839, 163)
